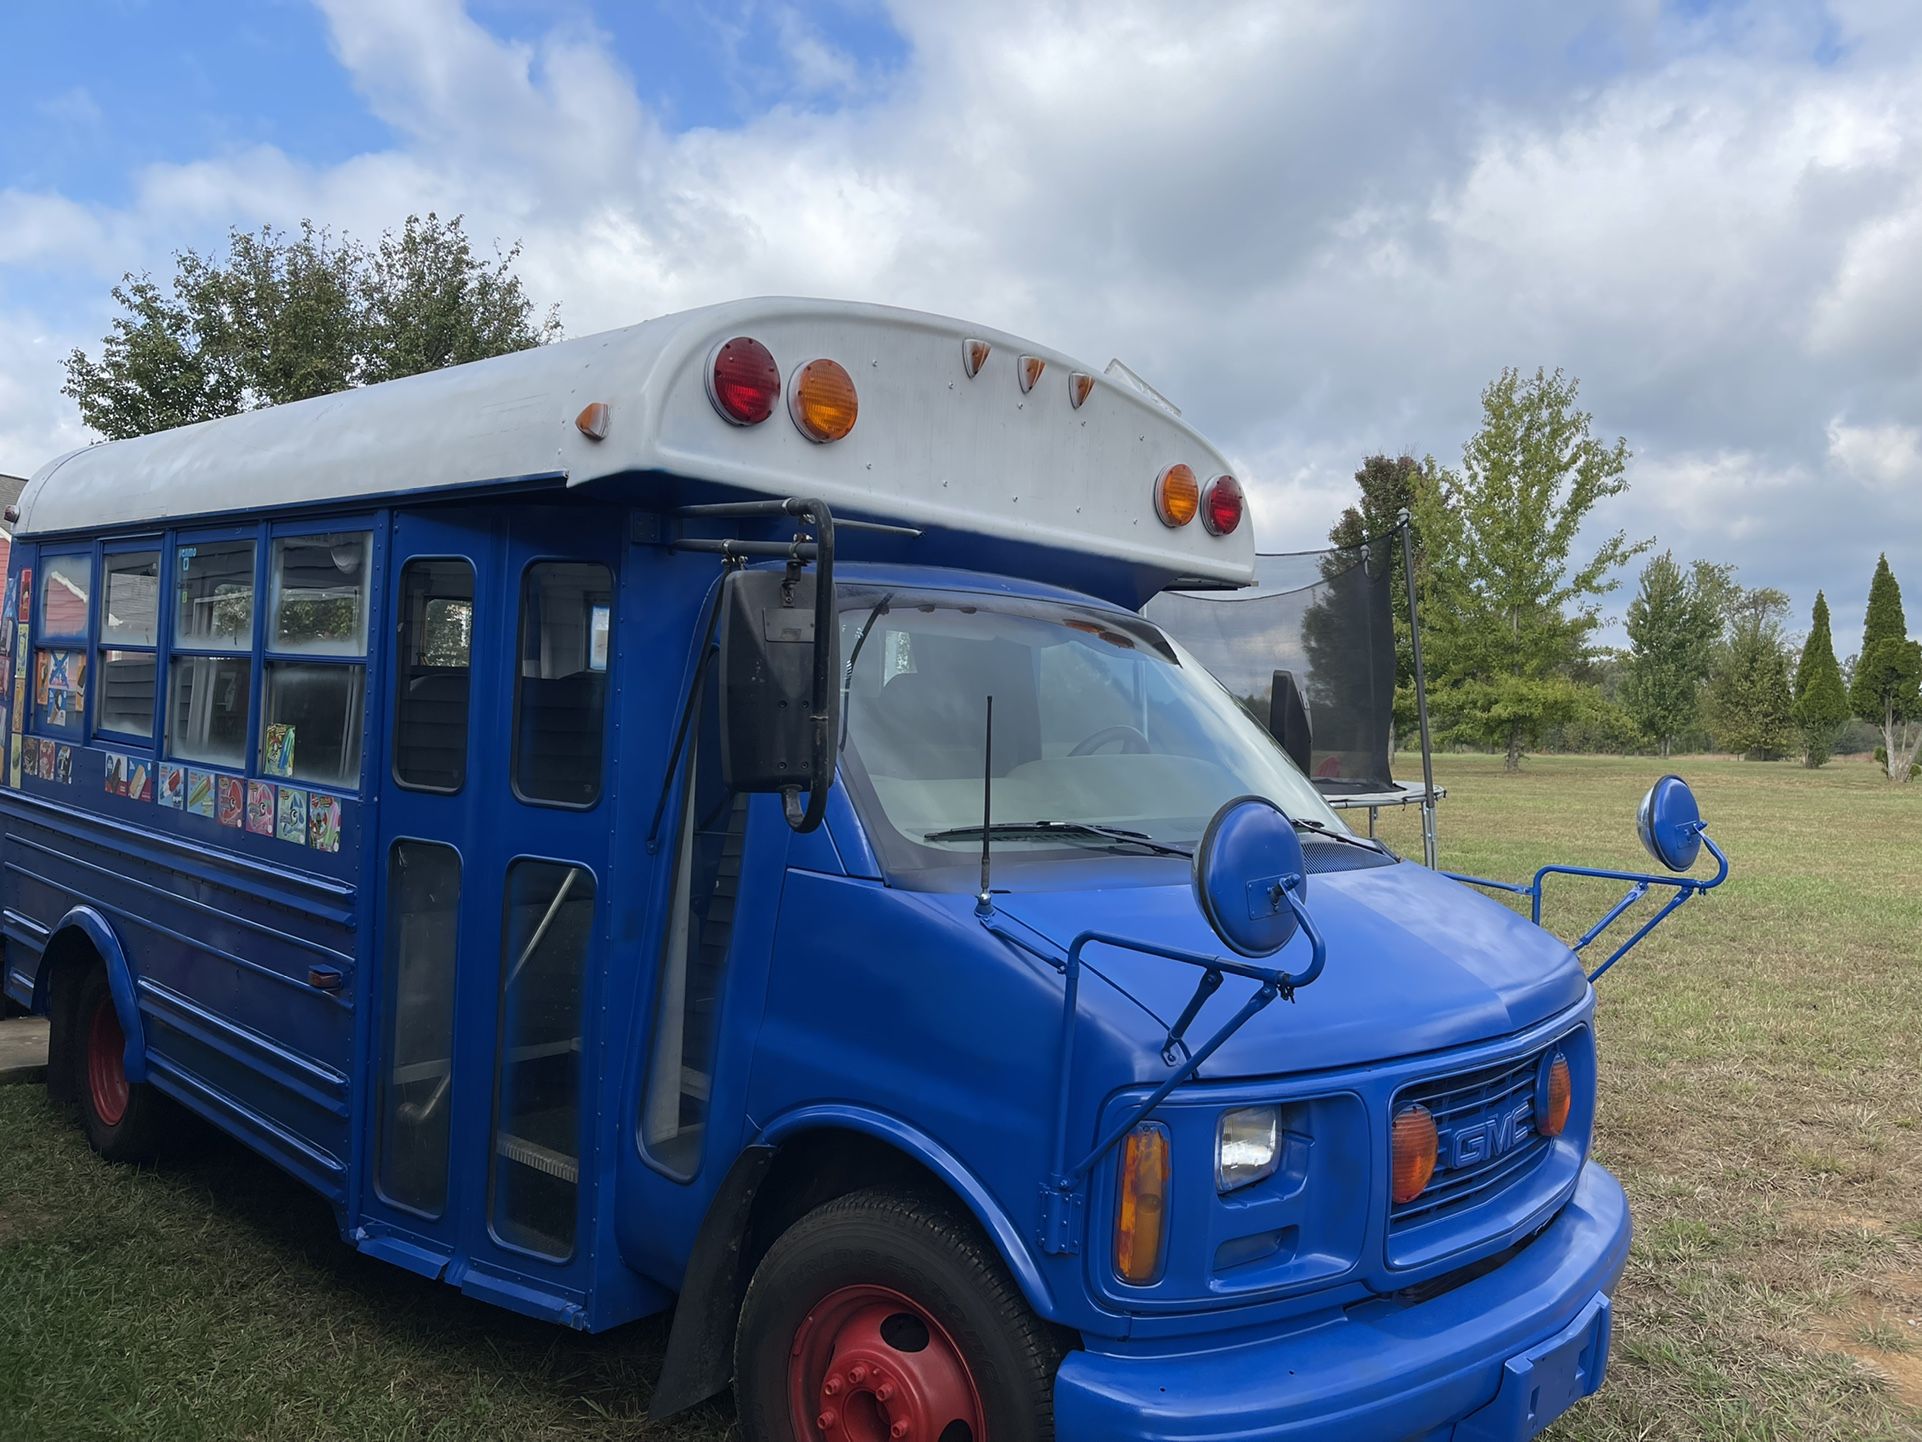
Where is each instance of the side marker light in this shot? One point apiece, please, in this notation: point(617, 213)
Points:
point(1080, 386)
point(1031, 368)
point(974, 355)
point(592, 421)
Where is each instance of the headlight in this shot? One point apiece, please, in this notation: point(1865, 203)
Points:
point(1247, 1147)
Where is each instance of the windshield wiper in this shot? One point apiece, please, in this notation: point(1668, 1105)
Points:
point(1113, 835)
point(1321, 828)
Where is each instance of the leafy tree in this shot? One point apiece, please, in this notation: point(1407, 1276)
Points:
point(281, 318)
point(1821, 702)
point(1506, 613)
point(1751, 705)
point(1673, 624)
point(1886, 687)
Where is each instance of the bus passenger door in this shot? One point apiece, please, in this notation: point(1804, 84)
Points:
point(433, 878)
point(497, 817)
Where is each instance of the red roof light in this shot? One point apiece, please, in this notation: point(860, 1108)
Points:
point(1222, 506)
point(743, 381)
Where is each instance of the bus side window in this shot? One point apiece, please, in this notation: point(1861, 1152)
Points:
point(129, 627)
point(311, 707)
point(432, 688)
point(560, 701)
point(210, 670)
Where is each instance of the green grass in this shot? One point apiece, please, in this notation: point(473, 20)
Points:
point(1761, 1099)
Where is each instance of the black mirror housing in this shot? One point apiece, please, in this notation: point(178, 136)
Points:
point(1288, 720)
point(780, 686)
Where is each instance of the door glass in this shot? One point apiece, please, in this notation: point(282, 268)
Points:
point(559, 715)
point(423, 886)
point(547, 930)
point(707, 877)
point(431, 690)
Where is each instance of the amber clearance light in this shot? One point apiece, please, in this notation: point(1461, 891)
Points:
point(1412, 1153)
point(1177, 495)
point(1553, 1094)
point(1141, 1218)
point(822, 401)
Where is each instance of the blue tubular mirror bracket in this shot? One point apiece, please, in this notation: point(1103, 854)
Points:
point(1063, 1194)
point(1685, 887)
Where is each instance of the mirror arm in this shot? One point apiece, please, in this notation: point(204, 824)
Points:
point(821, 772)
point(1685, 887)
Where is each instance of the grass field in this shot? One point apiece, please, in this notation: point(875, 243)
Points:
point(1761, 1099)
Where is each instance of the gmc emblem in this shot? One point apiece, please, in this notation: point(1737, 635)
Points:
point(1485, 1140)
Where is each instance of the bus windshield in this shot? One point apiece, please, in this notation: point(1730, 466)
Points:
point(1106, 734)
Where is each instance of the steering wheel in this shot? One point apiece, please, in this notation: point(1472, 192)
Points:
point(1133, 743)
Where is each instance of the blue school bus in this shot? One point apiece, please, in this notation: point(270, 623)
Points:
point(692, 818)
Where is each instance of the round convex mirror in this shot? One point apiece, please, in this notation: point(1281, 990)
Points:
point(1670, 824)
point(1248, 853)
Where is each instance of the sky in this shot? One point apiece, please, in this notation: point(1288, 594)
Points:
point(1319, 228)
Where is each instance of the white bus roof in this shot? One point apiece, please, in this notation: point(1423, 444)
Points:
point(931, 447)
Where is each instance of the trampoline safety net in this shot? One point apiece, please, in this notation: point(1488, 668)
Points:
point(1319, 622)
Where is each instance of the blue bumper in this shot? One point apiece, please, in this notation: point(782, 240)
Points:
point(1494, 1360)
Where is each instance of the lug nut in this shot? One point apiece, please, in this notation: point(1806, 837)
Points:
point(858, 1374)
point(827, 1419)
point(898, 1430)
point(884, 1392)
point(832, 1386)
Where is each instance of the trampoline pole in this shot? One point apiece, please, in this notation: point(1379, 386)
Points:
point(1421, 697)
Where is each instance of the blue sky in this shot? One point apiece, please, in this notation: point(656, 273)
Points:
point(1319, 228)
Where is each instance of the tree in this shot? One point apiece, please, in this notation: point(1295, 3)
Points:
point(1886, 688)
point(1821, 703)
point(1751, 705)
point(281, 318)
point(1506, 613)
point(1673, 623)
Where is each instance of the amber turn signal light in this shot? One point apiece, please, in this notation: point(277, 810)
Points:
point(1177, 495)
point(1413, 1151)
point(822, 401)
point(1557, 1091)
point(1141, 1220)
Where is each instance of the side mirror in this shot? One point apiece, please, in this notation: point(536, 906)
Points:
point(780, 695)
point(1248, 865)
point(1670, 824)
point(1288, 720)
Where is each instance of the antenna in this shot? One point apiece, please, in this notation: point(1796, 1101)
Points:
point(984, 903)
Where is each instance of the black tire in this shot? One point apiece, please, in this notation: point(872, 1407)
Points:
point(141, 1127)
point(923, 1250)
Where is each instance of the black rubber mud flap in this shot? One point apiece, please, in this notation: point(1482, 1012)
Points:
point(700, 1345)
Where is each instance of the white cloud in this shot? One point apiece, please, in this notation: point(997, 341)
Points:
point(1318, 228)
point(1886, 455)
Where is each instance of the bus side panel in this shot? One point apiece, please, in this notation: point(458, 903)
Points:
point(225, 955)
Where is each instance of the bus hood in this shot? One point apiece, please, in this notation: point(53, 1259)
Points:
point(1416, 963)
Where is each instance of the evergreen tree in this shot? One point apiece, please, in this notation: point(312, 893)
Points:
point(1886, 688)
point(1751, 702)
point(1821, 703)
point(1506, 614)
point(1673, 623)
point(281, 318)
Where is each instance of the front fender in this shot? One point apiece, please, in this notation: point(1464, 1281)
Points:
point(85, 921)
point(1007, 1237)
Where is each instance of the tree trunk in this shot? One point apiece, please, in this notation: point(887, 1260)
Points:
point(1513, 761)
point(1901, 741)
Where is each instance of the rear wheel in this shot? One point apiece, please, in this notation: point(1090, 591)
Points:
point(881, 1317)
point(125, 1121)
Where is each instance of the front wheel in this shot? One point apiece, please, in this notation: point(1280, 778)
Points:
point(880, 1317)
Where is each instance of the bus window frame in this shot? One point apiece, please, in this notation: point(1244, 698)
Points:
point(74, 732)
point(374, 525)
point(127, 545)
point(517, 680)
point(193, 536)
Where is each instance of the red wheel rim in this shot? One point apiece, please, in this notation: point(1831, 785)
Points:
point(870, 1365)
point(106, 1064)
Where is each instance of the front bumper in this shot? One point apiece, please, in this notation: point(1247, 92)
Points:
point(1493, 1360)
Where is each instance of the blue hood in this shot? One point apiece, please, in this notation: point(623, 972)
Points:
point(1416, 963)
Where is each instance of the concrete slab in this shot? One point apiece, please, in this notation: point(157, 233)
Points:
point(23, 1049)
